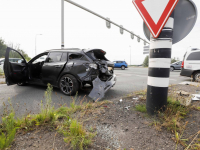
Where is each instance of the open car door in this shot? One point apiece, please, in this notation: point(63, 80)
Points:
point(15, 67)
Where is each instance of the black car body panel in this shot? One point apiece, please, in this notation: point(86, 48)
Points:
point(186, 72)
point(87, 66)
point(15, 72)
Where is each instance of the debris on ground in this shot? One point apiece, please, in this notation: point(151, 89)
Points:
point(196, 97)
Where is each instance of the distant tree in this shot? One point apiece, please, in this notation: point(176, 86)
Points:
point(3, 47)
point(173, 60)
point(146, 62)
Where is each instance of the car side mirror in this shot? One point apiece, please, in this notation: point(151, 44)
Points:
point(23, 61)
point(176, 63)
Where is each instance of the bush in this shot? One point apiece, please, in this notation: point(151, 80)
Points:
point(7, 128)
point(146, 62)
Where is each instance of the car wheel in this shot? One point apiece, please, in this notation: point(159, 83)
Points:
point(21, 84)
point(68, 85)
point(123, 67)
point(171, 68)
point(196, 77)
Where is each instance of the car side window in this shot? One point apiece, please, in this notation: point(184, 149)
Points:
point(14, 56)
point(75, 56)
point(194, 56)
point(54, 57)
point(64, 57)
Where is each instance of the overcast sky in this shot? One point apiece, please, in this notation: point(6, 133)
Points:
point(21, 20)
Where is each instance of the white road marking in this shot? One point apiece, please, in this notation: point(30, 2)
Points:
point(173, 79)
point(140, 76)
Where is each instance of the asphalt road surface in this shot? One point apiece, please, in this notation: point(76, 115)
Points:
point(27, 99)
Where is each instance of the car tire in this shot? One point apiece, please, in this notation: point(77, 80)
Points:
point(123, 67)
point(21, 84)
point(171, 68)
point(69, 85)
point(196, 77)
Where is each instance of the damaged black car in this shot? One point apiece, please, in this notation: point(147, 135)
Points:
point(67, 69)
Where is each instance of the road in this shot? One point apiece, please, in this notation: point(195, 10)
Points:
point(28, 98)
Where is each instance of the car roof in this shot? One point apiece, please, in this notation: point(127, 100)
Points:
point(119, 60)
point(2, 59)
point(77, 50)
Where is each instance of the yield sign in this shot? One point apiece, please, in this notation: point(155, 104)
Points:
point(155, 13)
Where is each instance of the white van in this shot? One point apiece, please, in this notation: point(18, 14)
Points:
point(191, 64)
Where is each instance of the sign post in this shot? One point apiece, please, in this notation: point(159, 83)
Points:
point(155, 14)
point(159, 69)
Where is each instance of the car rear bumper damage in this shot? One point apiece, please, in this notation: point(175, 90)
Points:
point(101, 87)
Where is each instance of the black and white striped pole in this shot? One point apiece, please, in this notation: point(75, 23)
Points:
point(159, 68)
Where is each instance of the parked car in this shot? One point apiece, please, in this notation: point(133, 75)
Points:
point(68, 69)
point(10, 59)
point(120, 64)
point(191, 64)
point(176, 66)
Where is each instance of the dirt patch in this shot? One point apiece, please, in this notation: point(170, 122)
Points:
point(126, 128)
point(119, 126)
point(40, 139)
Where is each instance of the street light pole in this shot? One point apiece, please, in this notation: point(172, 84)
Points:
point(35, 42)
point(62, 24)
point(130, 55)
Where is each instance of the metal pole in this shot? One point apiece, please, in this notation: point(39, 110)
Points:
point(107, 19)
point(159, 69)
point(130, 55)
point(62, 24)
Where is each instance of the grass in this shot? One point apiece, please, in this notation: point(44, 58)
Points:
point(141, 108)
point(172, 119)
point(64, 120)
point(1, 72)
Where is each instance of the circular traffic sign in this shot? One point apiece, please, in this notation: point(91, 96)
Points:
point(185, 17)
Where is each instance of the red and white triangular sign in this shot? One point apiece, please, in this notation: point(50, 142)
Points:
point(155, 13)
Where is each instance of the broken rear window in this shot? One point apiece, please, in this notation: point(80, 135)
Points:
point(75, 56)
point(96, 54)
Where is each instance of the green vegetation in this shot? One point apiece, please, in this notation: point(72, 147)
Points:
point(63, 119)
point(3, 47)
point(173, 60)
point(141, 108)
point(146, 62)
point(7, 128)
point(1, 72)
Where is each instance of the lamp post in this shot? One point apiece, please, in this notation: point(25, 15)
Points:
point(62, 24)
point(130, 55)
point(35, 42)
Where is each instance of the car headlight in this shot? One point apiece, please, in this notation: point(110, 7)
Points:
point(93, 66)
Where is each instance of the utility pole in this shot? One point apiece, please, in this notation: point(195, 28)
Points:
point(130, 55)
point(62, 24)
